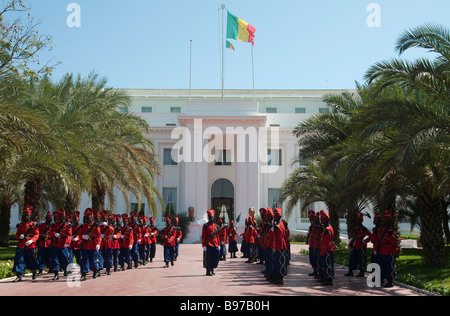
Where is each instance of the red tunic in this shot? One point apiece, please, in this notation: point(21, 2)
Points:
point(30, 231)
point(44, 230)
point(127, 240)
point(327, 240)
point(279, 237)
point(65, 233)
point(94, 237)
point(207, 235)
point(106, 232)
point(387, 243)
point(168, 236)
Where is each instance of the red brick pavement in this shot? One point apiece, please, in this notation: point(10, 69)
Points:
point(233, 277)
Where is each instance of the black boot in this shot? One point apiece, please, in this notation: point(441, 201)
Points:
point(18, 277)
point(83, 277)
point(56, 277)
point(35, 274)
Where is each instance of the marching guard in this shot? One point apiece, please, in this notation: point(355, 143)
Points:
point(168, 237)
point(27, 234)
point(358, 247)
point(210, 244)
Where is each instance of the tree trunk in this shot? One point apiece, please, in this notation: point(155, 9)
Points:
point(334, 221)
point(98, 196)
point(352, 217)
point(34, 192)
point(72, 202)
point(5, 222)
point(432, 233)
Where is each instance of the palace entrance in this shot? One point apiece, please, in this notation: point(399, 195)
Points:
point(222, 200)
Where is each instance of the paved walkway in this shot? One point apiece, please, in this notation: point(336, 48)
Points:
point(233, 277)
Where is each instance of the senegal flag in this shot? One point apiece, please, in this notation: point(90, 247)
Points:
point(230, 45)
point(239, 30)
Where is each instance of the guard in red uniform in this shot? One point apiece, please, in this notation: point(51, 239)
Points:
point(279, 249)
point(232, 240)
point(210, 244)
point(387, 249)
point(60, 235)
point(153, 233)
point(223, 239)
point(358, 247)
point(178, 236)
point(136, 238)
point(326, 256)
point(115, 218)
point(268, 244)
point(144, 247)
point(44, 251)
point(250, 237)
point(27, 234)
point(90, 244)
point(311, 240)
point(168, 237)
point(75, 240)
point(126, 237)
point(106, 232)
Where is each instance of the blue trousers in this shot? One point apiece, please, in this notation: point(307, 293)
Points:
point(232, 247)
point(358, 258)
point(88, 261)
point(326, 265)
point(152, 250)
point(268, 261)
point(25, 258)
point(135, 252)
point(115, 257)
point(169, 253)
point(107, 255)
point(279, 263)
point(388, 269)
point(124, 256)
point(211, 257)
point(44, 255)
point(60, 259)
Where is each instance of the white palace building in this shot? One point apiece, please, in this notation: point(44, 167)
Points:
point(227, 154)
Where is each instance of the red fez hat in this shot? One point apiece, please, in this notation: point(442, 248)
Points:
point(49, 215)
point(360, 216)
point(277, 211)
point(168, 219)
point(210, 212)
point(231, 223)
point(176, 219)
point(269, 212)
point(133, 214)
point(27, 210)
point(62, 212)
point(152, 220)
point(324, 216)
point(89, 212)
point(311, 214)
point(145, 219)
point(76, 214)
point(124, 216)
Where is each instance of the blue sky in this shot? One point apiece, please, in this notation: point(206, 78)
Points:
point(144, 44)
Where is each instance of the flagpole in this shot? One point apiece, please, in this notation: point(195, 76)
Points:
point(253, 76)
point(223, 51)
point(190, 72)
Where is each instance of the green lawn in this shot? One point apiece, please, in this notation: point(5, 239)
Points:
point(412, 271)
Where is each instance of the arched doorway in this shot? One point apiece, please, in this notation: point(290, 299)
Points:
point(222, 200)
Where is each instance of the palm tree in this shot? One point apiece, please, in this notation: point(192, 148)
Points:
point(414, 126)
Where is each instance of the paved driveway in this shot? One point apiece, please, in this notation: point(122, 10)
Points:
point(233, 277)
